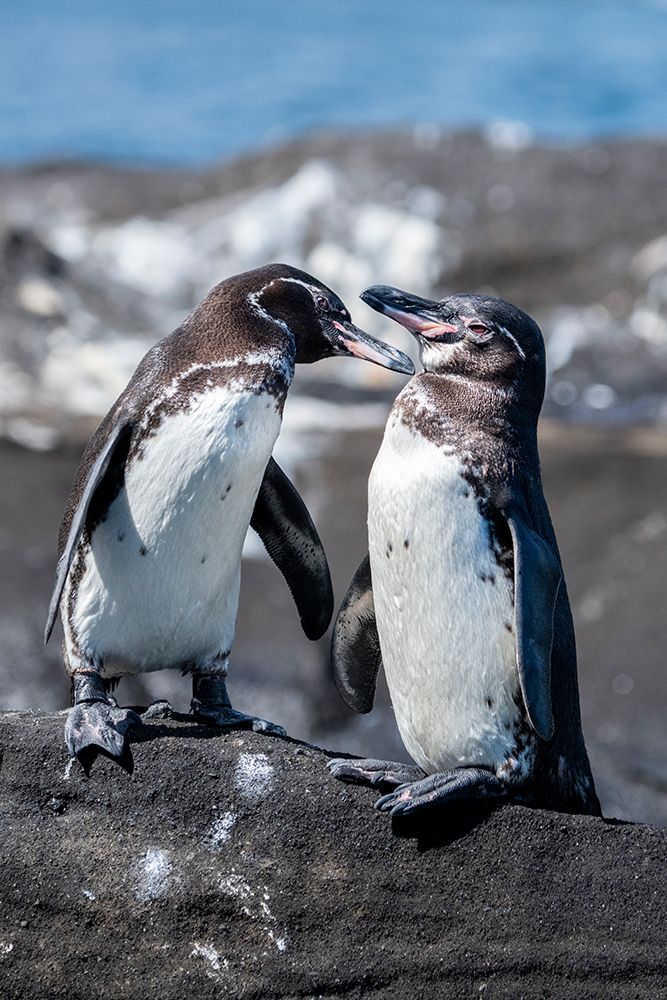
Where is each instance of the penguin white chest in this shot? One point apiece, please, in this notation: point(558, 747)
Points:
point(160, 585)
point(444, 607)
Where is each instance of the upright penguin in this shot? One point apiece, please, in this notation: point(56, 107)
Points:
point(150, 545)
point(462, 596)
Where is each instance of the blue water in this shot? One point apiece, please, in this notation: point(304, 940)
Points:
point(170, 81)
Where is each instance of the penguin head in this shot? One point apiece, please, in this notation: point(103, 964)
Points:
point(317, 319)
point(475, 337)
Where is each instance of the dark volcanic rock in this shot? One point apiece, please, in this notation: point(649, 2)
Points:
point(234, 866)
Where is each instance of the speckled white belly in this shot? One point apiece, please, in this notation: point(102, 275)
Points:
point(443, 607)
point(160, 587)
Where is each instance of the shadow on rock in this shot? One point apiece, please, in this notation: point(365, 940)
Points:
point(441, 826)
point(159, 720)
point(89, 755)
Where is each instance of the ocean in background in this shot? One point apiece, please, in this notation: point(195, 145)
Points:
point(184, 83)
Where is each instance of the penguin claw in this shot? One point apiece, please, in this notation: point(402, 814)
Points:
point(100, 727)
point(225, 717)
point(369, 771)
point(441, 789)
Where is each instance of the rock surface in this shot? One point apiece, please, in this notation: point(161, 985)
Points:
point(233, 866)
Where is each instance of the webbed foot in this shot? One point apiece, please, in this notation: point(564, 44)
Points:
point(369, 771)
point(96, 724)
point(226, 717)
point(211, 705)
point(440, 789)
point(95, 727)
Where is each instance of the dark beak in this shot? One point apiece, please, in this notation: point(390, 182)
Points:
point(419, 316)
point(348, 339)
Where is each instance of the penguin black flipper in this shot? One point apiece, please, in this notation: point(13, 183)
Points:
point(282, 521)
point(113, 450)
point(355, 648)
point(537, 579)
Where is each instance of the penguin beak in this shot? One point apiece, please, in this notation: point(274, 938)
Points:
point(419, 316)
point(346, 338)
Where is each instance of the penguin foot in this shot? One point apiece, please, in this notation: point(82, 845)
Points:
point(226, 717)
point(211, 705)
point(368, 771)
point(95, 727)
point(440, 789)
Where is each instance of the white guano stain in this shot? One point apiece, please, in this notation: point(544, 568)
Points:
point(153, 875)
point(6, 947)
point(68, 769)
point(220, 831)
point(89, 894)
point(211, 956)
point(253, 775)
point(254, 904)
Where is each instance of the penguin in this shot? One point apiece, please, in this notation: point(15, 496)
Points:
point(462, 596)
point(150, 545)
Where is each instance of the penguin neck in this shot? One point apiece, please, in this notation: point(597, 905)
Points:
point(471, 419)
point(480, 402)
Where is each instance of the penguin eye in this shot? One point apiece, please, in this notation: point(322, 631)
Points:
point(321, 302)
point(479, 329)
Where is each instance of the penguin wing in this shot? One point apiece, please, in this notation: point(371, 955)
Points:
point(355, 649)
point(282, 521)
point(537, 579)
point(115, 442)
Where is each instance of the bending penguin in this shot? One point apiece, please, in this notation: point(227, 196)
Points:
point(150, 545)
point(462, 596)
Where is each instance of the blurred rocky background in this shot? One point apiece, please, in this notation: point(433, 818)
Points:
point(99, 259)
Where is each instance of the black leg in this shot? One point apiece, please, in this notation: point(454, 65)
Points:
point(210, 703)
point(96, 724)
point(368, 771)
point(439, 789)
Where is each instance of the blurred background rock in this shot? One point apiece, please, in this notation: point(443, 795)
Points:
point(148, 150)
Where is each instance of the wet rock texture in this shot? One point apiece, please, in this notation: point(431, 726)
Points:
point(233, 866)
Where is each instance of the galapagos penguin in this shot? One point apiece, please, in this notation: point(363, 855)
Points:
point(150, 545)
point(462, 596)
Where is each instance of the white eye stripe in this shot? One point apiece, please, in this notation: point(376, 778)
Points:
point(510, 336)
point(295, 281)
point(259, 310)
point(315, 292)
